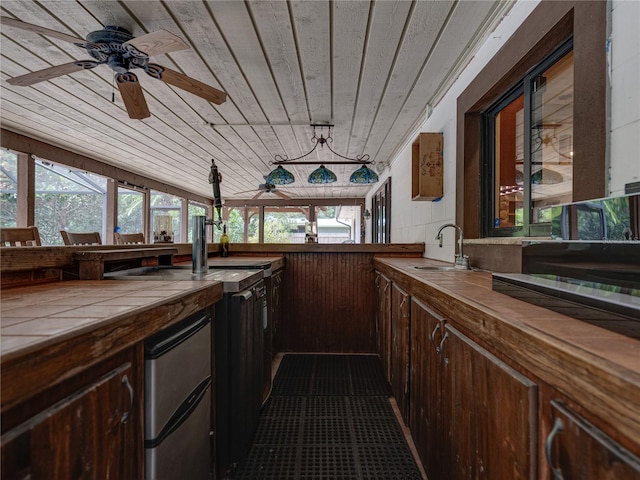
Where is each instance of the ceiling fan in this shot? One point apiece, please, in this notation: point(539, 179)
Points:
point(266, 188)
point(121, 51)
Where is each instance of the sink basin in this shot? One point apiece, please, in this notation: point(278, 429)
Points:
point(446, 268)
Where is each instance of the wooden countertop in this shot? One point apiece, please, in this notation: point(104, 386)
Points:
point(604, 366)
point(50, 332)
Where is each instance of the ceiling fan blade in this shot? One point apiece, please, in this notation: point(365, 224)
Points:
point(257, 195)
point(187, 83)
point(158, 42)
point(51, 72)
point(12, 22)
point(282, 195)
point(132, 96)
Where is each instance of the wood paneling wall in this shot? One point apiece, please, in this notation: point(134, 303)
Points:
point(328, 303)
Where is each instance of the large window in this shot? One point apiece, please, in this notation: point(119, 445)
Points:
point(68, 199)
point(130, 211)
point(8, 188)
point(338, 224)
point(285, 224)
point(528, 158)
point(166, 215)
point(194, 209)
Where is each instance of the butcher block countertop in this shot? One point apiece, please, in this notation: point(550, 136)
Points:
point(597, 368)
point(50, 332)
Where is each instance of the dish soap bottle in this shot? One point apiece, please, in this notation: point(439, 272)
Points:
point(224, 242)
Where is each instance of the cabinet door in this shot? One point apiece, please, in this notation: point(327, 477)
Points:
point(424, 411)
point(400, 306)
point(275, 307)
point(575, 448)
point(383, 321)
point(91, 434)
point(489, 413)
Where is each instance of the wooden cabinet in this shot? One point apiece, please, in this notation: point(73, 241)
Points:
point(92, 432)
point(575, 448)
point(383, 321)
point(425, 379)
point(400, 325)
point(471, 415)
point(427, 167)
point(271, 339)
point(489, 413)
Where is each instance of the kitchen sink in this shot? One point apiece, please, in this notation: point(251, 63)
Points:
point(444, 268)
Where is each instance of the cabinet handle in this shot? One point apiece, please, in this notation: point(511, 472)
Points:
point(377, 282)
point(444, 337)
point(558, 427)
point(125, 415)
point(386, 287)
point(404, 300)
point(432, 337)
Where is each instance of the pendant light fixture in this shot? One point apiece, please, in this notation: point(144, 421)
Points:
point(322, 175)
point(280, 176)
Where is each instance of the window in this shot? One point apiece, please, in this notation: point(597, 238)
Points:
point(338, 224)
point(68, 199)
point(381, 216)
point(285, 224)
point(528, 155)
point(166, 215)
point(130, 211)
point(194, 209)
point(242, 224)
point(8, 188)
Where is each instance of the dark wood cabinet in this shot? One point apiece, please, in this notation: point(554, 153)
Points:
point(272, 344)
point(400, 329)
point(575, 448)
point(471, 415)
point(425, 416)
point(92, 432)
point(383, 321)
point(489, 413)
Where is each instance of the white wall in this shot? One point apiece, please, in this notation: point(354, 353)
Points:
point(625, 94)
point(419, 221)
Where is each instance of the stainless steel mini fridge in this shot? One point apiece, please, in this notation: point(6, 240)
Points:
point(178, 401)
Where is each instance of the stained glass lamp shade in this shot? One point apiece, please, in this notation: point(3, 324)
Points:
point(322, 175)
point(363, 175)
point(280, 176)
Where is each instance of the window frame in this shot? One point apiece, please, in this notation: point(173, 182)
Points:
point(539, 34)
point(524, 87)
point(381, 214)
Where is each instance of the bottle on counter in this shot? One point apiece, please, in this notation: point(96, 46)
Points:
point(224, 242)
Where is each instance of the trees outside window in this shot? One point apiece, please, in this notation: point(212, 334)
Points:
point(130, 211)
point(8, 188)
point(68, 199)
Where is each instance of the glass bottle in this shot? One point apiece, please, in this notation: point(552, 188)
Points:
point(224, 242)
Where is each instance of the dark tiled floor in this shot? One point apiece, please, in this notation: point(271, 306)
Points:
point(329, 417)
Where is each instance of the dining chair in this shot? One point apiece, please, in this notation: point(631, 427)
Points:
point(20, 237)
point(85, 238)
point(128, 238)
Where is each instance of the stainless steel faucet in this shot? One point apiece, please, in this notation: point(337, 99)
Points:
point(462, 260)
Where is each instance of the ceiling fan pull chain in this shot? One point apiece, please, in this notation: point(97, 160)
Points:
point(113, 89)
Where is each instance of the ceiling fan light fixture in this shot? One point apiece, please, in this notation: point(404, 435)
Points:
point(280, 176)
point(363, 175)
point(322, 175)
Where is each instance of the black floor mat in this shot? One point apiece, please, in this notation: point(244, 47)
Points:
point(328, 417)
point(302, 374)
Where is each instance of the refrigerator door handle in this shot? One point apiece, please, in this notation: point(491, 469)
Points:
point(181, 414)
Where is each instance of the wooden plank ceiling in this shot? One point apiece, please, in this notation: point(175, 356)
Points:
point(368, 67)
